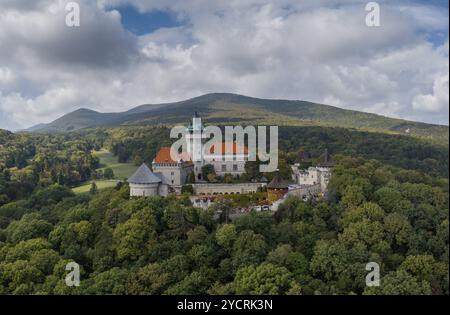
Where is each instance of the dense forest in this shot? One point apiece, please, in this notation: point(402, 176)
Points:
point(388, 203)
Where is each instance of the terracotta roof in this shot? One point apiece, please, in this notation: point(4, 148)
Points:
point(235, 147)
point(163, 156)
point(144, 175)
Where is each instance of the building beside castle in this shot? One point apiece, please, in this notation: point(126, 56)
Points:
point(315, 176)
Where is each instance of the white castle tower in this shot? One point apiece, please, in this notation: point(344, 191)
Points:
point(195, 139)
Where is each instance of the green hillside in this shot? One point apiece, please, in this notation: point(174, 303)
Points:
point(220, 108)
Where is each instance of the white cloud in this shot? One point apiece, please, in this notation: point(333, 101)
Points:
point(436, 102)
point(310, 50)
point(6, 75)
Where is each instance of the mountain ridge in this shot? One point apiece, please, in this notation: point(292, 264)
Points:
point(231, 108)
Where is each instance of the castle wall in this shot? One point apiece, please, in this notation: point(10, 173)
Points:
point(144, 190)
point(305, 191)
point(219, 188)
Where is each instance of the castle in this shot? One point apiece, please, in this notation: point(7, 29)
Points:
point(170, 175)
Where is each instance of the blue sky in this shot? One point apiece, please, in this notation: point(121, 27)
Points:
point(440, 36)
point(146, 22)
point(141, 23)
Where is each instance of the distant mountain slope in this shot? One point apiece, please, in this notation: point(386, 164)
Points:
point(79, 119)
point(220, 108)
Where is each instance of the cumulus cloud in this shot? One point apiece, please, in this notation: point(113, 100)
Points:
point(319, 51)
point(437, 101)
point(44, 36)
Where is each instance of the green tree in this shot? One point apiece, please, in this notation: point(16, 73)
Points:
point(336, 263)
point(108, 173)
point(187, 189)
point(364, 231)
point(285, 256)
point(399, 283)
point(195, 283)
point(262, 280)
point(93, 190)
point(149, 279)
point(28, 227)
point(252, 170)
point(113, 281)
point(248, 249)
point(207, 170)
point(131, 236)
point(226, 235)
point(388, 198)
point(223, 208)
point(398, 229)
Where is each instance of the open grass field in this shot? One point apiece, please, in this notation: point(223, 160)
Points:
point(101, 184)
point(107, 159)
point(121, 170)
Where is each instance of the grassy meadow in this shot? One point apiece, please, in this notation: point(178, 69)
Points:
point(108, 160)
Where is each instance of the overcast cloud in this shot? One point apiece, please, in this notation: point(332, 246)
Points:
point(319, 51)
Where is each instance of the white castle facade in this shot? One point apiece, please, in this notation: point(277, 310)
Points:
point(225, 157)
point(314, 176)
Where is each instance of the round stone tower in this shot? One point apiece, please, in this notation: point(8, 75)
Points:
point(144, 183)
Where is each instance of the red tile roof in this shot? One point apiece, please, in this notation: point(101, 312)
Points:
point(236, 148)
point(163, 156)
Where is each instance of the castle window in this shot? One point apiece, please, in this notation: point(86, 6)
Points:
point(224, 167)
point(235, 167)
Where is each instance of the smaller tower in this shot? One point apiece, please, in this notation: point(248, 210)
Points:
point(277, 188)
point(144, 183)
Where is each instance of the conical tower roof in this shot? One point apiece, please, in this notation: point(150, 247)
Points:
point(278, 183)
point(144, 175)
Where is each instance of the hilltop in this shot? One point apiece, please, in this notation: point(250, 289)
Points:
point(221, 108)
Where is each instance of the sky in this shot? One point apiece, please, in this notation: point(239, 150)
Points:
point(131, 52)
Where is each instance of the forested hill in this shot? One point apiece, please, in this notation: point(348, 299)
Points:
point(387, 203)
point(222, 108)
